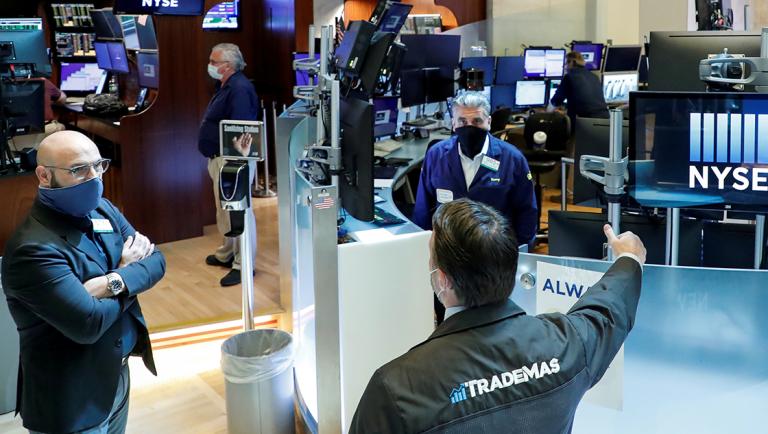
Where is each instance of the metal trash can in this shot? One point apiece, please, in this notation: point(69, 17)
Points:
point(259, 382)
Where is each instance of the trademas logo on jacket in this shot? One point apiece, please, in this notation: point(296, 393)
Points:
point(503, 380)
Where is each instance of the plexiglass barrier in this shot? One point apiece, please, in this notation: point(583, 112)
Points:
point(695, 359)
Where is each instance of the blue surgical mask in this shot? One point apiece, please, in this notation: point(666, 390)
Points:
point(213, 71)
point(77, 200)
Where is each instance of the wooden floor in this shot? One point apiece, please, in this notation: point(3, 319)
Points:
point(190, 292)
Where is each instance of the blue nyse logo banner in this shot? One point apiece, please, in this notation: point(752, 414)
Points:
point(159, 7)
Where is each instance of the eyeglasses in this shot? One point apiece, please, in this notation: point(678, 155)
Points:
point(82, 171)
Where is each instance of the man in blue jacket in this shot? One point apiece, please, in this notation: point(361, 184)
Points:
point(235, 99)
point(478, 166)
point(490, 367)
point(71, 275)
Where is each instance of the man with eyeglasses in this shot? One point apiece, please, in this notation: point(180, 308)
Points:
point(235, 99)
point(490, 367)
point(478, 166)
point(71, 275)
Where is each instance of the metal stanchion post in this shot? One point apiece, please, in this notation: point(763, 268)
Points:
point(266, 191)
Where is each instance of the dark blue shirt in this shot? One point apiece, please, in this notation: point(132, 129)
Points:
point(584, 93)
point(235, 100)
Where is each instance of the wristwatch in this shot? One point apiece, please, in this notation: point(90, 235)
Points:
point(114, 283)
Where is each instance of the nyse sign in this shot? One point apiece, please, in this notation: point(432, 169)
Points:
point(160, 3)
point(736, 143)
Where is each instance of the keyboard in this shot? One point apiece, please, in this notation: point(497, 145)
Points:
point(383, 218)
point(419, 123)
point(75, 100)
point(383, 148)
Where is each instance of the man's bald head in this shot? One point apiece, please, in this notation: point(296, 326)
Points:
point(63, 150)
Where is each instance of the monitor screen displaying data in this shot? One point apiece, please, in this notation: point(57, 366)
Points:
point(617, 86)
point(531, 93)
point(544, 63)
point(81, 77)
point(592, 54)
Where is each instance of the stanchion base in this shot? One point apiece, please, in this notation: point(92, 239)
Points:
point(263, 194)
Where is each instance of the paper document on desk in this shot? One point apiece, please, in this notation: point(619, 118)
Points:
point(382, 183)
point(372, 235)
point(558, 288)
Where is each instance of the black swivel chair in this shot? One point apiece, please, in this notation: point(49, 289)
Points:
point(543, 157)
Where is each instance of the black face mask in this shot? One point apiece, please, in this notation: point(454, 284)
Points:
point(471, 139)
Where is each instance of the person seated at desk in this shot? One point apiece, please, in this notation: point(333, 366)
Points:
point(53, 96)
point(582, 89)
point(490, 367)
point(474, 164)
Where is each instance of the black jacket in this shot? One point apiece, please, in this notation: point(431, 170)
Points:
point(584, 93)
point(494, 369)
point(71, 343)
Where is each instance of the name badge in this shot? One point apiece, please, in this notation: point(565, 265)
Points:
point(102, 226)
point(444, 196)
point(489, 163)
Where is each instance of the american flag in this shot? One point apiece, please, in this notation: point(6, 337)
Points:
point(324, 202)
point(340, 29)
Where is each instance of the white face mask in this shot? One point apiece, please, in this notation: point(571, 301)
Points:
point(432, 283)
point(213, 71)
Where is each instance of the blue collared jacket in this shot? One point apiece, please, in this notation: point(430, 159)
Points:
point(508, 189)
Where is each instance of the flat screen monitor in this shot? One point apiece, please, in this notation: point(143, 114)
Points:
point(81, 77)
point(439, 83)
point(552, 88)
point(130, 34)
point(687, 49)
point(531, 93)
point(356, 180)
point(159, 7)
point(26, 46)
point(69, 14)
point(427, 24)
point(699, 149)
point(425, 51)
point(111, 56)
point(106, 24)
point(24, 106)
point(394, 17)
point(74, 44)
point(592, 54)
point(540, 63)
point(148, 64)
point(145, 28)
point(385, 116)
point(485, 64)
point(510, 69)
point(502, 96)
point(223, 16)
point(617, 86)
point(412, 89)
point(620, 58)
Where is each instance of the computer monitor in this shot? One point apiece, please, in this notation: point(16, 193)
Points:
point(223, 16)
point(349, 56)
point(394, 17)
point(356, 179)
point(148, 64)
point(426, 51)
point(618, 85)
point(621, 58)
point(27, 45)
point(23, 103)
point(688, 49)
point(130, 34)
point(439, 83)
point(144, 7)
point(375, 60)
point(69, 14)
point(74, 44)
point(552, 88)
point(378, 12)
point(385, 116)
point(691, 149)
point(427, 24)
point(592, 54)
point(502, 96)
point(111, 56)
point(510, 69)
point(531, 93)
point(145, 28)
point(592, 137)
point(81, 78)
point(106, 24)
point(485, 64)
point(412, 89)
point(540, 63)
